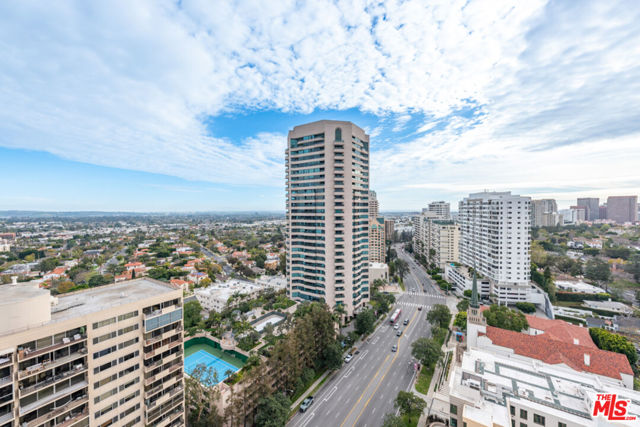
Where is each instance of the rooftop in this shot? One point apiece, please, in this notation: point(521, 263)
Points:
point(553, 352)
point(560, 330)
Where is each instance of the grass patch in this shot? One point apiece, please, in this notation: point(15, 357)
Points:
point(624, 284)
point(424, 380)
point(410, 422)
point(401, 283)
point(570, 304)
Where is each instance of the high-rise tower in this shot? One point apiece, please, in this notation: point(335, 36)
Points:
point(327, 166)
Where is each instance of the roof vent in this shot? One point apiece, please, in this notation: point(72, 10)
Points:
point(587, 359)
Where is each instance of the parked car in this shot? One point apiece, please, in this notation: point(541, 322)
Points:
point(306, 403)
point(394, 348)
point(419, 308)
point(396, 326)
point(348, 358)
point(406, 322)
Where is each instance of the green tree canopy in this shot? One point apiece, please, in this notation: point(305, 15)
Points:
point(365, 321)
point(439, 315)
point(598, 270)
point(461, 320)
point(526, 307)
point(48, 264)
point(503, 317)
point(273, 411)
point(463, 305)
point(426, 350)
point(192, 316)
point(610, 341)
point(409, 404)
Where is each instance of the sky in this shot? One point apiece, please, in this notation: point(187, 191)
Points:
point(185, 105)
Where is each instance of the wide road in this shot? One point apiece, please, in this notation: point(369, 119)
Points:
point(363, 391)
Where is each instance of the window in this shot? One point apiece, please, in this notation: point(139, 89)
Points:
point(561, 424)
point(105, 410)
point(105, 381)
point(453, 422)
point(453, 409)
point(127, 316)
point(523, 425)
point(104, 337)
point(523, 414)
point(104, 352)
point(104, 367)
point(128, 343)
point(104, 323)
point(105, 395)
point(513, 410)
point(538, 419)
point(338, 134)
point(128, 329)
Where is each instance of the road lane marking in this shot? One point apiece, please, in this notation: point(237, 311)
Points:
point(381, 379)
point(333, 390)
point(308, 420)
point(364, 391)
point(348, 373)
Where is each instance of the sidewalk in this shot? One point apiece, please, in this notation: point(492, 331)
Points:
point(311, 388)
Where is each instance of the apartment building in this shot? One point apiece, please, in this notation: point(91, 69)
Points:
point(441, 209)
point(111, 355)
point(388, 229)
point(435, 239)
point(373, 205)
point(327, 167)
point(622, 209)
point(495, 238)
point(544, 213)
point(376, 240)
point(592, 206)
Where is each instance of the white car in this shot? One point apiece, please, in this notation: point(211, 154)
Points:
point(348, 358)
point(396, 326)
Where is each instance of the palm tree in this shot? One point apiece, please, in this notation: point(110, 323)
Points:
point(338, 313)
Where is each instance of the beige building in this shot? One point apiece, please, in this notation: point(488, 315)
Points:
point(373, 205)
point(111, 355)
point(544, 213)
point(622, 209)
point(376, 240)
point(327, 166)
point(436, 239)
point(388, 229)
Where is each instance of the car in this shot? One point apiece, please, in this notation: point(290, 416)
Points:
point(399, 333)
point(396, 326)
point(348, 358)
point(394, 348)
point(306, 403)
point(406, 322)
point(419, 308)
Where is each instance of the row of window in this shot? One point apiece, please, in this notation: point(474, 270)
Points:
point(113, 320)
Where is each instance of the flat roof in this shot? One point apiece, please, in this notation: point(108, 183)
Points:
point(13, 294)
point(101, 298)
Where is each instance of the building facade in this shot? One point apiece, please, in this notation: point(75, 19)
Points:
point(495, 238)
point(373, 205)
point(376, 240)
point(327, 166)
point(111, 355)
point(435, 238)
point(592, 206)
point(441, 209)
point(388, 229)
point(544, 213)
point(622, 209)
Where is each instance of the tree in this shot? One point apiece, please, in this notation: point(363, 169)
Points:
point(439, 315)
point(402, 267)
point(390, 420)
point(463, 305)
point(467, 293)
point(609, 341)
point(97, 280)
point(332, 356)
point(365, 321)
point(538, 254)
point(272, 411)
point(409, 404)
point(48, 264)
point(426, 350)
point(526, 307)
point(461, 320)
point(192, 316)
point(201, 397)
point(501, 316)
point(598, 270)
point(65, 286)
point(633, 268)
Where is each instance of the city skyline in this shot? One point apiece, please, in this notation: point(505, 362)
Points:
point(183, 107)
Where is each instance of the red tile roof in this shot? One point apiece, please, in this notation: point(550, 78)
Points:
point(553, 352)
point(561, 330)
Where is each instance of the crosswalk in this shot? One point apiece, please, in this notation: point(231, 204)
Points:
point(424, 294)
point(413, 304)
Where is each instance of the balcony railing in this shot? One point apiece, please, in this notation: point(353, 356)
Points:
point(28, 354)
point(51, 380)
point(49, 415)
point(39, 367)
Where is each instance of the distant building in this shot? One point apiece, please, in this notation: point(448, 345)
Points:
point(435, 238)
point(544, 213)
point(442, 210)
point(388, 229)
point(376, 240)
point(603, 211)
point(499, 248)
point(373, 204)
point(592, 206)
point(216, 296)
point(378, 270)
point(622, 209)
point(613, 306)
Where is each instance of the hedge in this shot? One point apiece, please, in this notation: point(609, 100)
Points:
point(581, 296)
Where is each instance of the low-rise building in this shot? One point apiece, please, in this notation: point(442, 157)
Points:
point(378, 270)
point(613, 306)
point(461, 279)
point(216, 297)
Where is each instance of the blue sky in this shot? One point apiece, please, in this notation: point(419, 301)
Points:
point(184, 106)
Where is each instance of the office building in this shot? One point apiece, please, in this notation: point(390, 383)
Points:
point(544, 213)
point(376, 240)
point(111, 355)
point(441, 210)
point(327, 166)
point(495, 238)
point(603, 211)
point(622, 209)
point(388, 229)
point(577, 214)
point(373, 205)
point(592, 207)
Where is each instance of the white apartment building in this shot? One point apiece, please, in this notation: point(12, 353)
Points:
point(327, 166)
point(495, 237)
point(111, 355)
point(216, 296)
point(442, 210)
point(461, 280)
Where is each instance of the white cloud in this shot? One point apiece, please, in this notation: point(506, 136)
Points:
point(129, 85)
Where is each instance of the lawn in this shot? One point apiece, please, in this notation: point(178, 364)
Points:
point(424, 379)
point(413, 422)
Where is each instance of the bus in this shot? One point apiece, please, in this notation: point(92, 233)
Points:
point(395, 316)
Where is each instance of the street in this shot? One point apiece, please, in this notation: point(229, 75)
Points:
point(363, 391)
